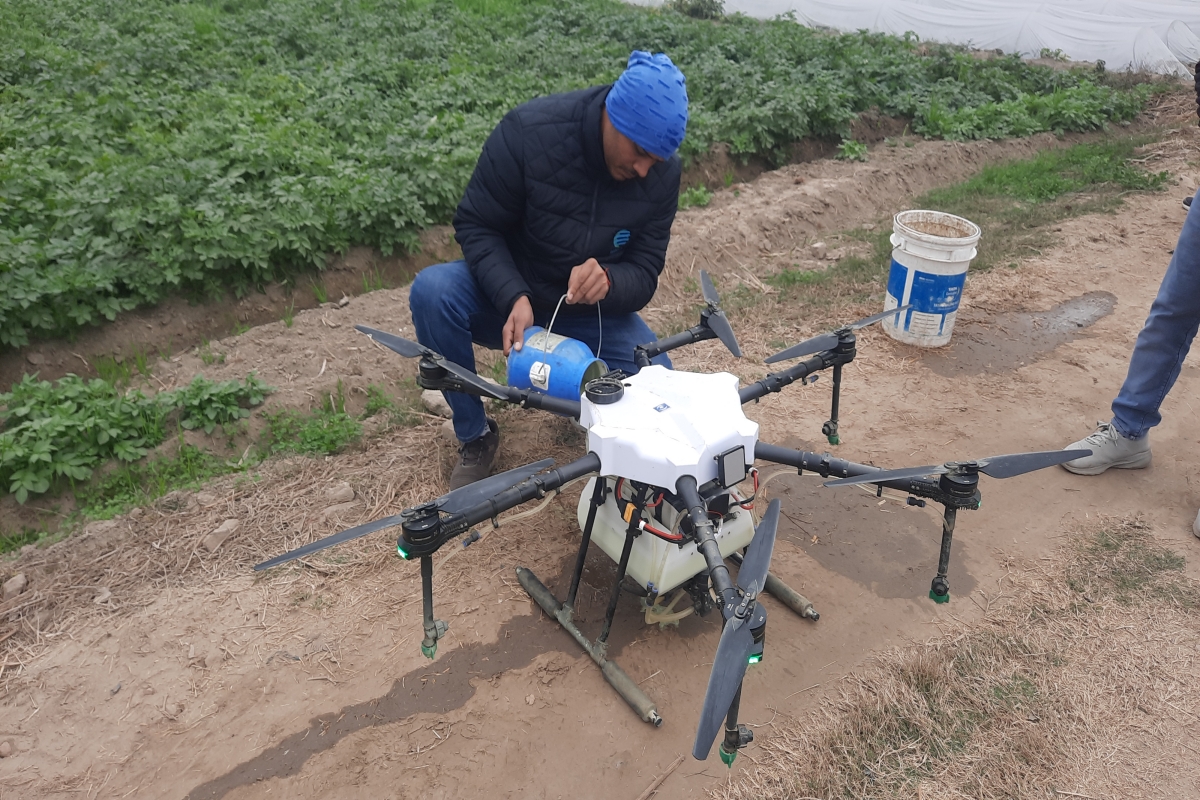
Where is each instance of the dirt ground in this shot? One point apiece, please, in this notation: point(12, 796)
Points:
point(173, 672)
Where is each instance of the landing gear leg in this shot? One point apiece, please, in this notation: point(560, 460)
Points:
point(612, 672)
point(939, 590)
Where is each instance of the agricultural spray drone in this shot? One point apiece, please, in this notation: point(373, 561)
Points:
point(667, 453)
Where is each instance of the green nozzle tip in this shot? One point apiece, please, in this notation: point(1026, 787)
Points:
point(429, 651)
point(400, 552)
point(943, 598)
point(754, 659)
point(835, 439)
point(727, 758)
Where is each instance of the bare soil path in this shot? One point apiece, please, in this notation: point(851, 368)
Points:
point(195, 678)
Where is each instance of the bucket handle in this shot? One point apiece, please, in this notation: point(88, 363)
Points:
point(550, 329)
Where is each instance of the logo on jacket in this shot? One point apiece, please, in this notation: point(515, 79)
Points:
point(621, 239)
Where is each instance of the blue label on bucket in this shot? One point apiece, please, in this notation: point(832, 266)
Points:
point(929, 293)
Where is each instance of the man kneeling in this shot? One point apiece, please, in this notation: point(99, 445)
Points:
point(570, 208)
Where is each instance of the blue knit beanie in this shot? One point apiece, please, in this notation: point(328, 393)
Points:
point(648, 103)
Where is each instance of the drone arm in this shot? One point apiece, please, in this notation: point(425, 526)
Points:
point(531, 489)
point(645, 352)
point(706, 543)
point(437, 378)
point(776, 381)
point(826, 466)
point(527, 398)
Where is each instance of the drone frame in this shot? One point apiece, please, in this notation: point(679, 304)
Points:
point(427, 527)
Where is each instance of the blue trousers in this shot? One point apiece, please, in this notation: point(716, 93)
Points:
point(1166, 338)
point(450, 312)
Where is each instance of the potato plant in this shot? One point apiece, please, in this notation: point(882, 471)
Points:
point(200, 145)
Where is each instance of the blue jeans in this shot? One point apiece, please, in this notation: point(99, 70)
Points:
point(449, 312)
point(1164, 342)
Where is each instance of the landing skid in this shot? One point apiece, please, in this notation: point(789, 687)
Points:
point(563, 611)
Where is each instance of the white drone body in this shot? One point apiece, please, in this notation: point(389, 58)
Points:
point(667, 424)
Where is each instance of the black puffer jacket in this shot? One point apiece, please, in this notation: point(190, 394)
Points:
point(541, 202)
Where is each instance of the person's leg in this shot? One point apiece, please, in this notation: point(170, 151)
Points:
point(1165, 340)
point(621, 334)
point(1154, 366)
point(449, 312)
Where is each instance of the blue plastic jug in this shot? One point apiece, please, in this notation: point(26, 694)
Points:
point(553, 364)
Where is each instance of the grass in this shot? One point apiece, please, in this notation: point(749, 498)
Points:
point(319, 292)
point(374, 280)
point(315, 433)
point(1012, 705)
point(1017, 205)
point(139, 484)
point(1123, 563)
point(328, 429)
point(120, 371)
point(11, 542)
point(208, 355)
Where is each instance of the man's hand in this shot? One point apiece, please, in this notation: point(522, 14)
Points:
point(588, 284)
point(519, 319)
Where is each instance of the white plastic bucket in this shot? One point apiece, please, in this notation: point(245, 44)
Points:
point(931, 251)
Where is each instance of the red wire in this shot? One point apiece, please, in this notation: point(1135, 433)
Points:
point(670, 537)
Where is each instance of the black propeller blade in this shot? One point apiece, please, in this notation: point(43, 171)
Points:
point(994, 466)
point(752, 574)
point(452, 502)
point(717, 320)
point(410, 349)
point(737, 638)
point(827, 341)
point(405, 347)
point(729, 668)
point(1019, 463)
point(330, 541)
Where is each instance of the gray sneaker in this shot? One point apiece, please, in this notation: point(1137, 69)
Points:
point(1109, 449)
point(475, 458)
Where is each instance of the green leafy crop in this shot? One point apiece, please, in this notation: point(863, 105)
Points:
point(204, 404)
point(851, 150)
point(167, 145)
point(64, 430)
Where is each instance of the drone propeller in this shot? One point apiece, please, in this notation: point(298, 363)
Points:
point(827, 341)
point(452, 502)
point(737, 643)
point(329, 541)
point(717, 321)
point(411, 349)
point(757, 561)
point(994, 466)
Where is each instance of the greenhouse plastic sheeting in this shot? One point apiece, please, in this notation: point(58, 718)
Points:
point(1124, 34)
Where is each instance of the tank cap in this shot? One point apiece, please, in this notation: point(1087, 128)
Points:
point(604, 391)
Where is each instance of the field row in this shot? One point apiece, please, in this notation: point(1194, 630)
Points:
point(198, 146)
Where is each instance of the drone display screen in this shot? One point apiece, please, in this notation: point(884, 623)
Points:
point(731, 466)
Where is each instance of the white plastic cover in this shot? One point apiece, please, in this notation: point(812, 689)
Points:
point(1160, 37)
point(667, 424)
